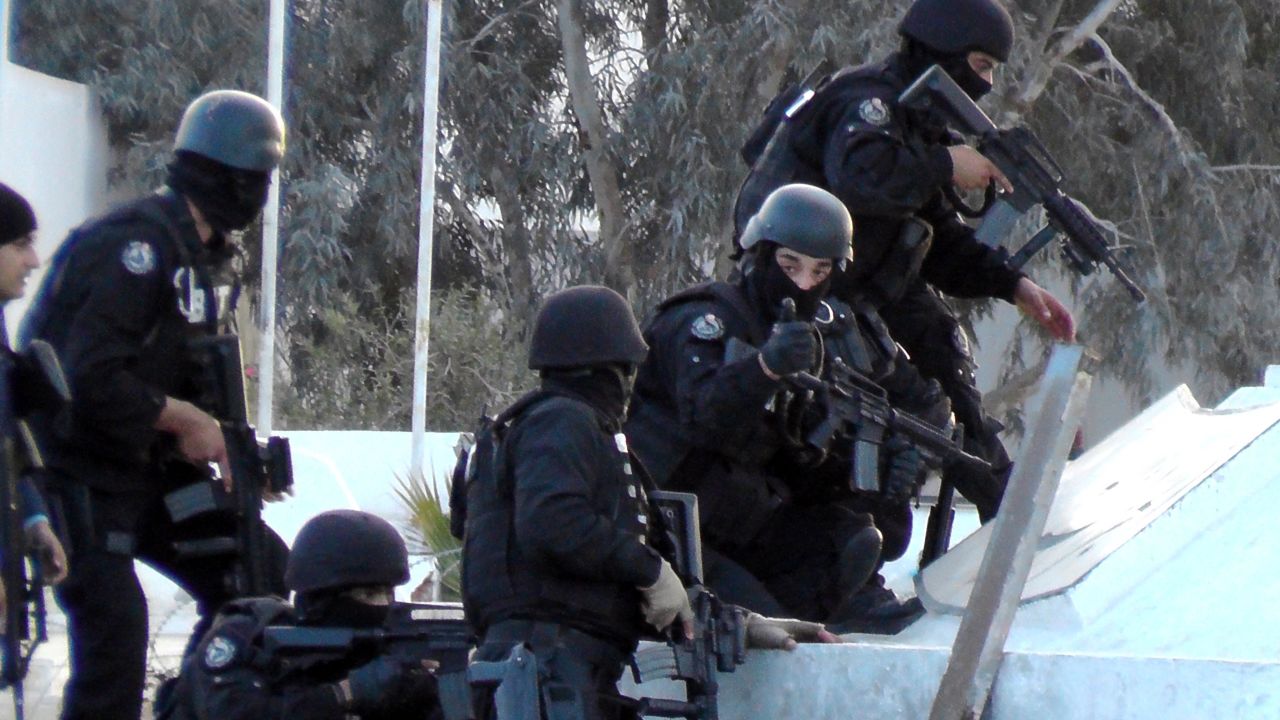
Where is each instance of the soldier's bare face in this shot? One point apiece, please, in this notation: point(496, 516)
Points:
point(17, 260)
point(806, 272)
point(984, 65)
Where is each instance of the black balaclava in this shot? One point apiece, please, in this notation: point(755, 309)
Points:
point(229, 198)
point(334, 609)
point(768, 286)
point(606, 387)
point(917, 57)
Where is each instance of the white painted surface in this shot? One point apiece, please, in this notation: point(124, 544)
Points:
point(53, 150)
point(1113, 492)
point(1177, 622)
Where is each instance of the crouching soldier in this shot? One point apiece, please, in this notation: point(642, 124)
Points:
point(343, 570)
point(555, 553)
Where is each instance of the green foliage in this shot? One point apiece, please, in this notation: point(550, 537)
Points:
point(1162, 117)
point(359, 364)
point(429, 534)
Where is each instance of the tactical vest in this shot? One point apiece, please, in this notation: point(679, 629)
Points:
point(499, 581)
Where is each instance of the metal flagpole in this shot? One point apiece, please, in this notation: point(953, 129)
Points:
point(271, 230)
point(426, 221)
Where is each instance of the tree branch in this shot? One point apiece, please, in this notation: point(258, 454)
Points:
point(1245, 168)
point(1038, 79)
point(494, 22)
point(595, 150)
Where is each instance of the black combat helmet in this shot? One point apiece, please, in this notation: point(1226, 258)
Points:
point(234, 128)
point(806, 219)
point(585, 325)
point(346, 548)
point(950, 27)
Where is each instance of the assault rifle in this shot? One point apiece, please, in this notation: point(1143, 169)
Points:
point(859, 409)
point(412, 632)
point(720, 630)
point(23, 593)
point(1035, 176)
point(256, 466)
point(38, 385)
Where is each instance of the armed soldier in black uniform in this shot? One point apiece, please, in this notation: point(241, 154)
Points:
point(125, 296)
point(344, 567)
point(25, 386)
point(728, 426)
point(896, 170)
point(556, 519)
point(17, 260)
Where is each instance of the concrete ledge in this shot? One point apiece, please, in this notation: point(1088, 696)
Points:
point(889, 682)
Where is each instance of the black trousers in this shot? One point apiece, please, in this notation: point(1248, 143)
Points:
point(578, 673)
point(929, 331)
point(795, 558)
point(105, 606)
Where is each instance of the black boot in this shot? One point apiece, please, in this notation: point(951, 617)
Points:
point(858, 561)
point(875, 609)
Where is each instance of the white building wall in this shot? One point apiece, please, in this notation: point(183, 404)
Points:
point(53, 150)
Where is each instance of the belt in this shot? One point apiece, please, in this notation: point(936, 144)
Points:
point(542, 635)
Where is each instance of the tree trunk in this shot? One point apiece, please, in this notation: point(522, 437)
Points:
point(618, 272)
point(654, 31)
point(516, 248)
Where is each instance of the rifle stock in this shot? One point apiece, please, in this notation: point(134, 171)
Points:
point(1035, 176)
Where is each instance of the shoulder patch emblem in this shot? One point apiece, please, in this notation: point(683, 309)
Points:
point(708, 327)
point(219, 653)
point(139, 258)
point(874, 111)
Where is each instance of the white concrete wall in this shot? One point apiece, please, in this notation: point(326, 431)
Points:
point(53, 150)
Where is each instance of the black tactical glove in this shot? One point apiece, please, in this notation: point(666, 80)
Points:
point(904, 469)
point(790, 349)
point(380, 681)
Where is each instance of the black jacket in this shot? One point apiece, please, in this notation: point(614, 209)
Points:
point(231, 676)
point(123, 296)
point(556, 522)
point(708, 423)
point(887, 164)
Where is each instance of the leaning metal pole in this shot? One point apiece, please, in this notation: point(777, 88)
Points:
point(426, 221)
point(978, 651)
point(271, 231)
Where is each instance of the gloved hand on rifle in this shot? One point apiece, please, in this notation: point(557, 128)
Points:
point(768, 633)
point(381, 683)
point(792, 346)
point(904, 469)
point(667, 600)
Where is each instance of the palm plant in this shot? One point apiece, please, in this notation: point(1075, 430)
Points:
point(428, 529)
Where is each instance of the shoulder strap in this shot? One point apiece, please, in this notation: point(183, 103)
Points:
point(152, 209)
